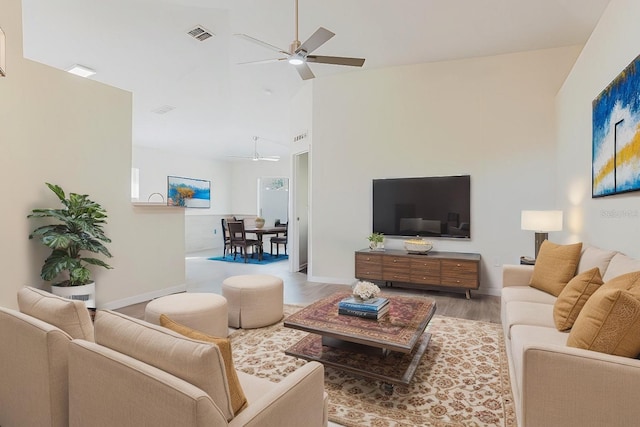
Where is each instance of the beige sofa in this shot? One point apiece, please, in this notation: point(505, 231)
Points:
point(135, 373)
point(557, 385)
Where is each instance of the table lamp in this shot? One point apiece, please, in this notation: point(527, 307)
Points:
point(541, 222)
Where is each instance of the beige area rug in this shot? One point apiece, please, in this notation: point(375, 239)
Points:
point(463, 379)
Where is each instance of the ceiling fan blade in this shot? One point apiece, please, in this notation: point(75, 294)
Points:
point(263, 44)
point(264, 61)
point(336, 60)
point(241, 157)
point(317, 39)
point(304, 71)
point(270, 159)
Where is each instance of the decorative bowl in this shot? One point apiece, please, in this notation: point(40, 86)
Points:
point(417, 246)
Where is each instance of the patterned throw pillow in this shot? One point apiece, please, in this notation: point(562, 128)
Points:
point(608, 323)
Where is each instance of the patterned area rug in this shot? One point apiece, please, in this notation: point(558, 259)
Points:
point(267, 258)
point(463, 379)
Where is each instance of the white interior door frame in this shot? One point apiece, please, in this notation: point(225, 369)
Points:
point(300, 211)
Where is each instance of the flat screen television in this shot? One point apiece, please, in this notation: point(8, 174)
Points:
point(437, 206)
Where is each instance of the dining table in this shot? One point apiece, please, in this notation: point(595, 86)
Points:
point(260, 232)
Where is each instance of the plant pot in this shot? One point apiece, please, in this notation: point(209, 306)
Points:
point(376, 246)
point(259, 222)
point(85, 293)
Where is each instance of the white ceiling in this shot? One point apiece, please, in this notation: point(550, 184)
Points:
point(142, 46)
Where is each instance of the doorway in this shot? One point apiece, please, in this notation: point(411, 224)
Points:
point(300, 210)
point(273, 200)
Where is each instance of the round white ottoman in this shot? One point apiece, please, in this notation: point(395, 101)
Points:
point(254, 300)
point(203, 312)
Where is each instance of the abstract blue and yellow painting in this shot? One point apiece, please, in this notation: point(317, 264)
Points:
point(616, 135)
point(188, 192)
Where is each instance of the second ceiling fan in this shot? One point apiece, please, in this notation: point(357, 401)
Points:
point(256, 157)
point(298, 54)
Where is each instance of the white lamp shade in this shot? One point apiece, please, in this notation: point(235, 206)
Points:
point(541, 221)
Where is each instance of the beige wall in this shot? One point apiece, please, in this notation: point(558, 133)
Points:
point(492, 118)
point(60, 128)
point(609, 222)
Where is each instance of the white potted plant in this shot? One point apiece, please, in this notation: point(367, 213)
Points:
point(78, 229)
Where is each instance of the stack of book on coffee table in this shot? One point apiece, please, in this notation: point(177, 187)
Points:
point(373, 308)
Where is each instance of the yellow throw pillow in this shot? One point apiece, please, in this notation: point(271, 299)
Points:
point(555, 266)
point(574, 296)
point(628, 282)
point(238, 399)
point(608, 323)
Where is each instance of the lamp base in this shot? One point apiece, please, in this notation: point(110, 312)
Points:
point(540, 237)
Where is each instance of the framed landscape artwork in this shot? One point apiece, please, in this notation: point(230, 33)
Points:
point(615, 165)
point(188, 192)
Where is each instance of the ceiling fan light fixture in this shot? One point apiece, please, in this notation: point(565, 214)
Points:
point(296, 60)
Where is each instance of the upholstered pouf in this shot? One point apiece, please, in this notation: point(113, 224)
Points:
point(204, 312)
point(254, 300)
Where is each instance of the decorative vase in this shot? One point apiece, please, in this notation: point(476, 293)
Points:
point(259, 222)
point(85, 293)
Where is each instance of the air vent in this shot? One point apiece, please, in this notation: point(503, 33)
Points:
point(200, 33)
point(163, 110)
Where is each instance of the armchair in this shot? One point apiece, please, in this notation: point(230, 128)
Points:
point(149, 375)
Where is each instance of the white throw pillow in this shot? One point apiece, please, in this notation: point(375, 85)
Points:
point(593, 256)
point(620, 264)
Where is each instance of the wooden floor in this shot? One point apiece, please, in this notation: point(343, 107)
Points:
point(203, 275)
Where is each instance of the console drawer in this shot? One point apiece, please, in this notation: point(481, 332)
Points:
point(462, 274)
point(396, 269)
point(369, 266)
point(425, 271)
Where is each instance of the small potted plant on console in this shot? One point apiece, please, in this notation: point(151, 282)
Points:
point(376, 241)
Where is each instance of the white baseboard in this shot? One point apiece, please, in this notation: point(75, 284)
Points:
point(136, 299)
point(331, 280)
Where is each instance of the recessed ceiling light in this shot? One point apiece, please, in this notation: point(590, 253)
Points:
point(81, 70)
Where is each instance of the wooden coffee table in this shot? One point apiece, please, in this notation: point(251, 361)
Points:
point(388, 349)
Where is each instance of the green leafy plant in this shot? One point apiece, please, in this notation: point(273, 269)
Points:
point(376, 237)
point(79, 230)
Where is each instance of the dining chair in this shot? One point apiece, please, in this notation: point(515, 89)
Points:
point(280, 240)
point(238, 239)
point(225, 237)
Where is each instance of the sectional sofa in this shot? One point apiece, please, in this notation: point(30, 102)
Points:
point(57, 370)
point(557, 379)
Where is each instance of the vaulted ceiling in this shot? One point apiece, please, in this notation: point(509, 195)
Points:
point(218, 105)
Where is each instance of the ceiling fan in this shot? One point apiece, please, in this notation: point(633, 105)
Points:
point(298, 54)
point(256, 157)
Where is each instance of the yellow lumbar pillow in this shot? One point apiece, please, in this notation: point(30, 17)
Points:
point(555, 266)
point(608, 323)
point(238, 399)
point(574, 296)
